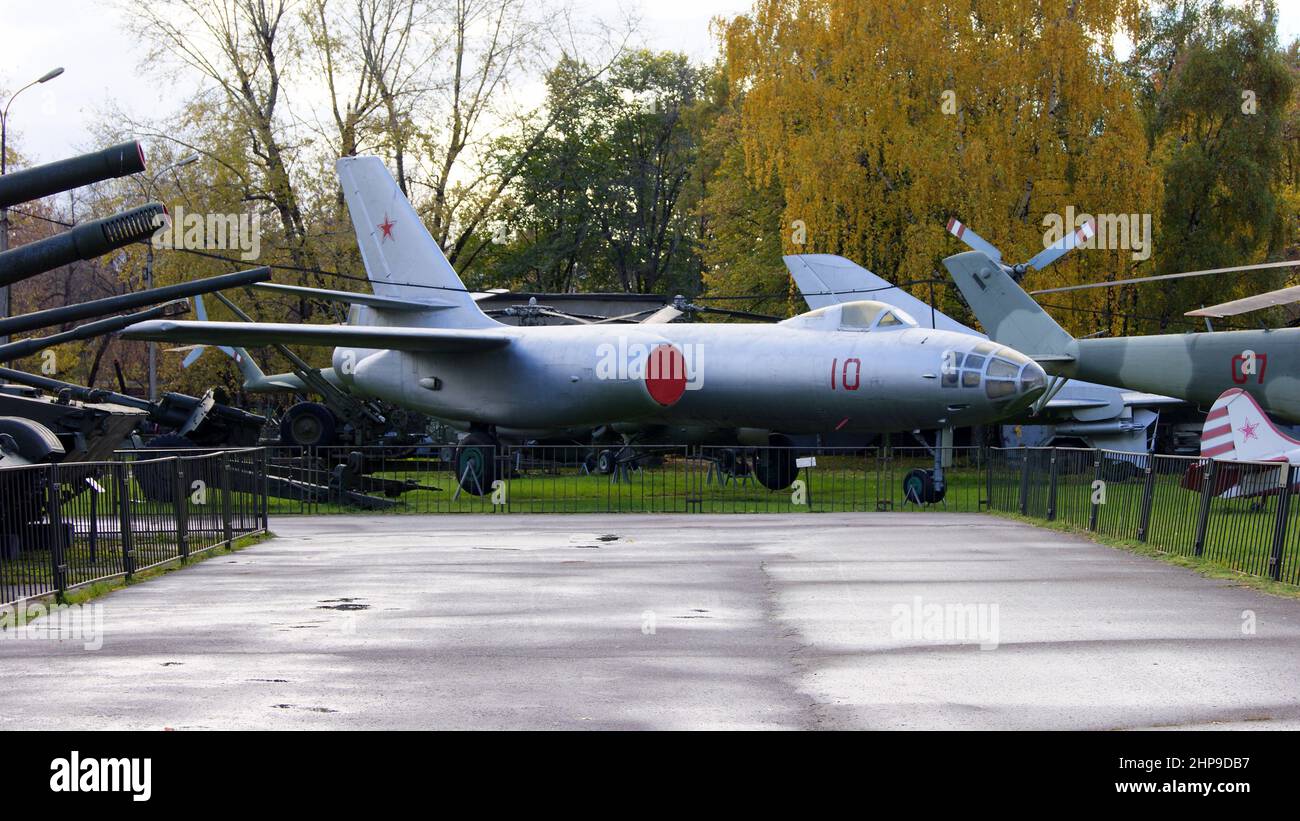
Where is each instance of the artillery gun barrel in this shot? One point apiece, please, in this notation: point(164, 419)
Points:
point(74, 172)
point(27, 347)
point(79, 392)
point(86, 241)
point(173, 410)
point(123, 302)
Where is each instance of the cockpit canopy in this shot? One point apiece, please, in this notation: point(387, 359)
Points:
point(862, 315)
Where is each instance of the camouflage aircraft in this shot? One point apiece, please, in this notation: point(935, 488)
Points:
point(1197, 367)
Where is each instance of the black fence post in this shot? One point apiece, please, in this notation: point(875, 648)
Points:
point(227, 501)
point(55, 505)
point(180, 509)
point(1051, 488)
point(1203, 515)
point(1148, 499)
point(1098, 463)
point(1280, 526)
point(1024, 482)
point(988, 482)
point(260, 498)
point(122, 474)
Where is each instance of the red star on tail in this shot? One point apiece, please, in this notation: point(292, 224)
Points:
point(387, 227)
point(1248, 431)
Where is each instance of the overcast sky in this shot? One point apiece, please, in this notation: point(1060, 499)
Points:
point(101, 61)
point(86, 38)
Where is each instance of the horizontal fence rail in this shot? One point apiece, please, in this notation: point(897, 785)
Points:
point(644, 479)
point(63, 526)
point(1235, 514)
point(68, 525)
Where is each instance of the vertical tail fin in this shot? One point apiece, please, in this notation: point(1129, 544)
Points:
point(826, 279)
point(402, 260)
point(1237, 428)
point(1009, 315)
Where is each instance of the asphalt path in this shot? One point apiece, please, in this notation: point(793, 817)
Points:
point(880, 620)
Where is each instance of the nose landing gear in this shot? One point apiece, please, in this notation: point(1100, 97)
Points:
point(922, 486)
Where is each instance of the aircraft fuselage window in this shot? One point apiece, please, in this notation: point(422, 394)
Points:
point(1002, 369)
point(998, 388)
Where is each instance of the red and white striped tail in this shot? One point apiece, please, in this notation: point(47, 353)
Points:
point(1238, 429)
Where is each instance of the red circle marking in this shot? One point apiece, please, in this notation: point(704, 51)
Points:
point(665, 375)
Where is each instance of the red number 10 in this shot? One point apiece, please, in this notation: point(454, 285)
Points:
point(844, 373)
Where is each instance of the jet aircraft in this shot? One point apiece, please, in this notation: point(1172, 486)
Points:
point(421, 342)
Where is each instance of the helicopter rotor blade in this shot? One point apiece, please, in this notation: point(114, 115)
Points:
point(662, 316)
point(965, 234)
point(1138, 280)
point(1062, 246)
point(561, 315)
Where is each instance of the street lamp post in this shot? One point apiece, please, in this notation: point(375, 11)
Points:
point(189, 159)
point(4, 167)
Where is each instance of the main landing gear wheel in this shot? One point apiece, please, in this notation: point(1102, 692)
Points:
point(776, 467)
point(309, 425)
point(606, 462)
point(919, 488)
point(476, 463)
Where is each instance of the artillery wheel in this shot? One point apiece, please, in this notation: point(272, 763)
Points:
point(309, 425)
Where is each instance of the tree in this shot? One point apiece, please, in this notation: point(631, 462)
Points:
point(607, 196)
point(880, 121)
point(1216, 88)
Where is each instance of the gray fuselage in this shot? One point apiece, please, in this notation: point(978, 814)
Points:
point(795, 377)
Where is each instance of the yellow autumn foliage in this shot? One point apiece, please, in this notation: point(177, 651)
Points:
point(881, 119)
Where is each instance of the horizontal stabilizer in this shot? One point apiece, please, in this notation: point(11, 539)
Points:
point(1076, 404)
point(252, 334)
point(353, 298)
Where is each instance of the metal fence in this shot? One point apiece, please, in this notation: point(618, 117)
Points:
point(1235, 514)
point(577, 479)
point(67, 525)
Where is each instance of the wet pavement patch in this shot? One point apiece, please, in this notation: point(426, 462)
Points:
point(695, 613)
point(341, 604)
point(309, 709)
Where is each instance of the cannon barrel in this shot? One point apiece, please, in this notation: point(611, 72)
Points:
point(174, 410)
point(86, 241)
point(79, 392)
point(123, 302)
point(74, 172)
point(27, 347)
